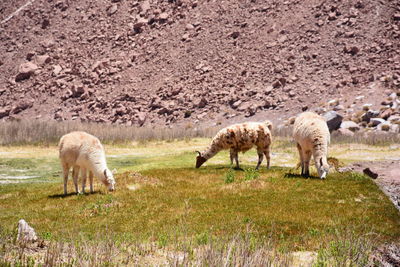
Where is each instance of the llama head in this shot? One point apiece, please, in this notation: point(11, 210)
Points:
point(200, 160)
point(323, 168)
point(109, 180)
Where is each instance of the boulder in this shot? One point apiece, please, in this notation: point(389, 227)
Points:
point(375, 122)
point(4, 112)
point(350, 125)
point(333, 119)
point(345, 132)
point(25, 232)
point(25, 71)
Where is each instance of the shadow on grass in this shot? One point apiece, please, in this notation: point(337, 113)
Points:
point(73, 194)
point(299, 176)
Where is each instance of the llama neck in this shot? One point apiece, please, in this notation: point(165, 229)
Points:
point(321, 152)
point(98, 166)
point(211, 151)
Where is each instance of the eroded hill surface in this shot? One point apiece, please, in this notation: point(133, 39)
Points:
point(154, 61)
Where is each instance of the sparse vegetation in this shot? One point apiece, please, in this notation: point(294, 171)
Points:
point(230, 176)
point(49, 132)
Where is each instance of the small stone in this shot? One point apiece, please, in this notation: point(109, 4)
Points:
point(4, 112)
point(385, 126)
point(234, 35)
point(112, 9)
point(200, 103)
point(56, 70)
point(25, 232)
point(366, 107)
point(338, 108)
point(43, 59)
point(371, 174)
point(369, 114)
point(163, 17)
point(333, 102)
point(386, 114)
point(189, 27)
point(349, 34)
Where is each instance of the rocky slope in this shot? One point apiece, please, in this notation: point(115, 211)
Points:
point(185, 61)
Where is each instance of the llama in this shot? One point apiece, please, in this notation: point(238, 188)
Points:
point(84, 152)
point(311, 133)
point(240, 138)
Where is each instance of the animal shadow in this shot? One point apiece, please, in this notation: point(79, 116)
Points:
point(299, 176)
point(71, 194)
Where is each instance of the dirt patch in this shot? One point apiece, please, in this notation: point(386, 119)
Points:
point(143, 180)
point(388, 176)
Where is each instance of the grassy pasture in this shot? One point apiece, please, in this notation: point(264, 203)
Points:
point(162, 199)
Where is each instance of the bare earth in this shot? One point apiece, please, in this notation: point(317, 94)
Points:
point(388, 176)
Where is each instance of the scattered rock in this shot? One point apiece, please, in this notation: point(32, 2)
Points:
point(371, 174)
point(56, 70)
point(375, 122)
point(350, 125)
point(345, 132)
point(25, 232)
point(142, 116)
point(25, 71)
point(43, 59)
point(112, 9)
point(367, 116)
point(234, 35)
point(4, 112)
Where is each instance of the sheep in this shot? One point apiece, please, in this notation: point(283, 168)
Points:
point(312, 136)
point(240, 138)
point(84, 152)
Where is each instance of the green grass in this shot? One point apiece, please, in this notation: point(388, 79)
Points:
point(298, 213)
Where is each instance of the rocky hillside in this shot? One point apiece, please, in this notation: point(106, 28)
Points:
point(186, 61)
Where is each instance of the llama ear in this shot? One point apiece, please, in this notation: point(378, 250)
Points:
point(198, 152)
point(114, 171)
point(105, 173)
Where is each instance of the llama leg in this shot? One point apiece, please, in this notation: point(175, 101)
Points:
point(83, 174)
point(91, 181)
point(301, 158)
point(260, 158)
point(268, 156)
point(237, 160)
point(307, 158)
point(75, 174)
point(65, 172)
point(232, 155)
